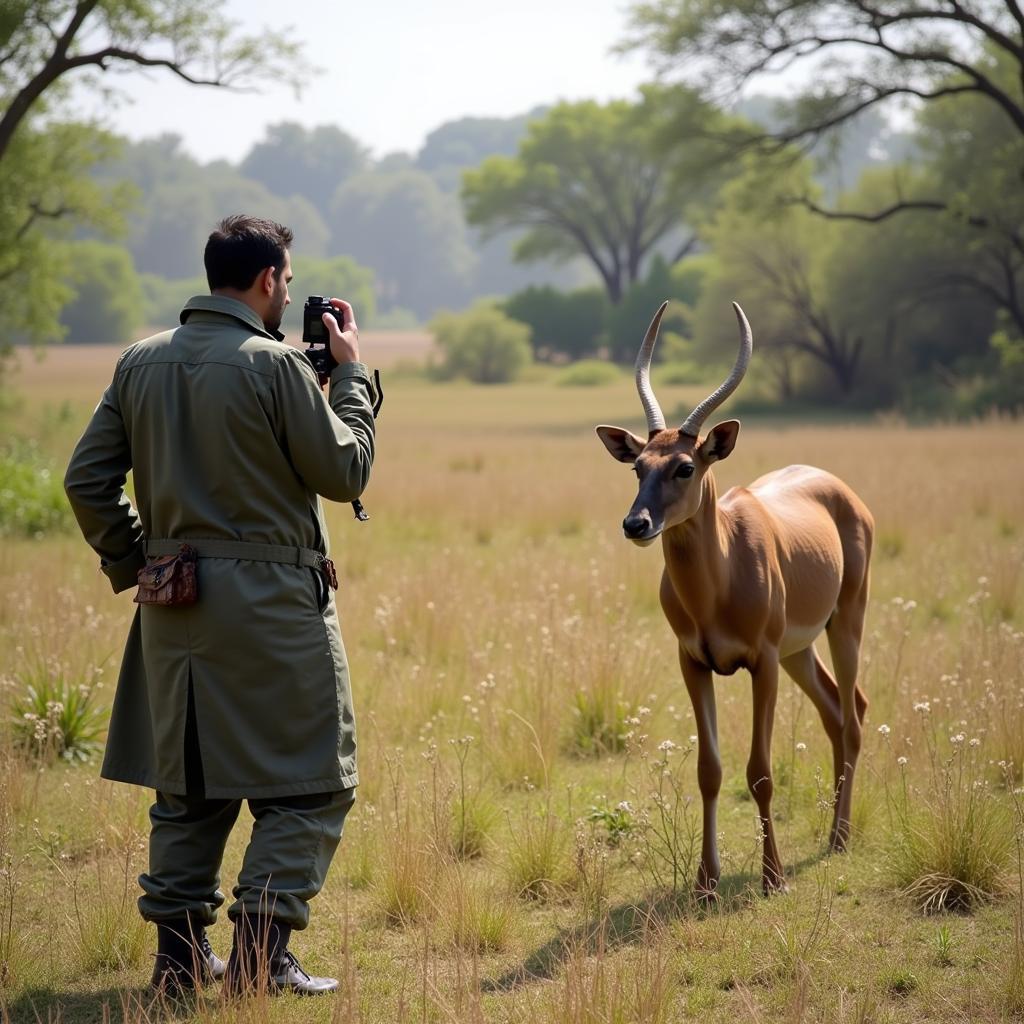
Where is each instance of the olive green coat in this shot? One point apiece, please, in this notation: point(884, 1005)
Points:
point(228, 437)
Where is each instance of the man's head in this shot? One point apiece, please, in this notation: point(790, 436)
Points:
point(247, 258)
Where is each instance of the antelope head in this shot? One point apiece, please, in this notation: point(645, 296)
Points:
point(671, 463)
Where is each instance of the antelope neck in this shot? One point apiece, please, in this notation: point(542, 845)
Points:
point(695, 553)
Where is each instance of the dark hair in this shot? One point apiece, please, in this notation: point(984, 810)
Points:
point(240, 247)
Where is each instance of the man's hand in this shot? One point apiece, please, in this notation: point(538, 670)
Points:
point(344, 339)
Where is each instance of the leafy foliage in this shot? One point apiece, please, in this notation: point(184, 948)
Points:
point(44, 170)
point(341, 277)
point(371, 211)
point(855, 54)
point(310, 162)
point(566, 324)
point(589, 180)
point(32, 501)
point(483, 344)
point(109, 307)
point(57, 718)
point(46, 191)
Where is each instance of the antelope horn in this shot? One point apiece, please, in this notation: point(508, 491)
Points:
point(696, 418)
point(655, 417)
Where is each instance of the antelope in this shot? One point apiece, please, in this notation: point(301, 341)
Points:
point(751, 579)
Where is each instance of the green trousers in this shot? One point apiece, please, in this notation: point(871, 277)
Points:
point(293, 841)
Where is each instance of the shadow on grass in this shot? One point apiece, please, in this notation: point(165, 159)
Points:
point(105, 1006)
point(629, 924)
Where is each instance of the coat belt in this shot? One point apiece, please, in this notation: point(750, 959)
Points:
point(252, 552)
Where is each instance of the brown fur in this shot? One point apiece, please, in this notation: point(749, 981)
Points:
point(750, 580)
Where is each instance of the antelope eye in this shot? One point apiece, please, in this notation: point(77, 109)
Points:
point(684, 471)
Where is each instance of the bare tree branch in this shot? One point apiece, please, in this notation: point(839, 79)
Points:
point(935, 205)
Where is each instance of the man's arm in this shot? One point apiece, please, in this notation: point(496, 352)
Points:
point(330, 443)
point(94, 483)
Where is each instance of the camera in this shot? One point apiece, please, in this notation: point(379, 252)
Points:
point(314, 334)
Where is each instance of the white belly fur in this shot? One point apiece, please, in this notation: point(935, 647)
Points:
point(799, 638)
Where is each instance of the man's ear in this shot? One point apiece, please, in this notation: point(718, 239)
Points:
point(720, 441)
point(267, 280)
point(623, 445)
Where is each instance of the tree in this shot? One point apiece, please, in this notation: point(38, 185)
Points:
point(856, 54)
point(43, 41)
point(979, 167)
point(625, 321)
point(310, 162)
point(410, 233)
point(167, 231)
point(589, 180)
point(466, 142)
point(44, 183)
point(773, 261)
point(109, 306)
point(44, 161)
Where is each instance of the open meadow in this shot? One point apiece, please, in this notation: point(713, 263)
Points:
point(525, 839)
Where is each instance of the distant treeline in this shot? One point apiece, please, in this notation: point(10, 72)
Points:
point(878, 268)
point(389, 233)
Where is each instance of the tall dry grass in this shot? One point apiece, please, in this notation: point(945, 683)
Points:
point(504, 643)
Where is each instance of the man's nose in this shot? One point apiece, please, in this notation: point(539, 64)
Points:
point(637, 524)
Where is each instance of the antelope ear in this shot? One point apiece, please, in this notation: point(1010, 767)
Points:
point(720, 441)
point(623, 445)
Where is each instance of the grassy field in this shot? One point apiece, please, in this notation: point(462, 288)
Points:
point(511, 858)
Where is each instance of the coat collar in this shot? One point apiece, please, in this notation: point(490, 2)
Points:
point(233, 308)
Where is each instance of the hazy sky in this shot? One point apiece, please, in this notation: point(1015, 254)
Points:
point(393, 70)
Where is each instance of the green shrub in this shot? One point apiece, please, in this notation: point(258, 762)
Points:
point(599, 722)
point(473, 821)
point(680, 372)
point(57, 718)
point(482, 345)
point(537, 862)
point(32, 501)
point(588, 373)
point(953, 838)
point(565, 323)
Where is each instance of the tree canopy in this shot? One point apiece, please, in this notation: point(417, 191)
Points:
point(46, 158)
point(590, 180)
point(310, 162)
point(856, 55)
point(43, 41)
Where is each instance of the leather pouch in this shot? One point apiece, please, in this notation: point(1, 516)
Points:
point(170, 580)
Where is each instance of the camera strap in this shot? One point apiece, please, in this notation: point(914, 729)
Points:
point(376, 402)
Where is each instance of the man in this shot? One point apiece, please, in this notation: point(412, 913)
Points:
point(245, 693)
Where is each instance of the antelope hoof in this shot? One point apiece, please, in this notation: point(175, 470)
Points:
point(706, 898)
point(773, 884)
point(705, 892)
point(839, 839)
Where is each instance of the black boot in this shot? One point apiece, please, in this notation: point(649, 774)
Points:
point(184, 958)
point(261, 961)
